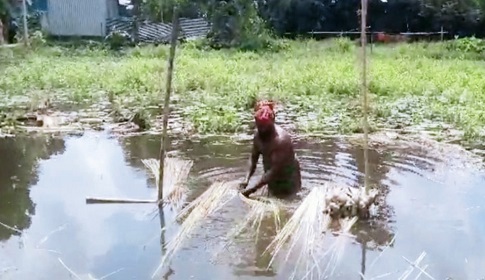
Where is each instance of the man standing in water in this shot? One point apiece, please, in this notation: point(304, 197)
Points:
point(281, 167)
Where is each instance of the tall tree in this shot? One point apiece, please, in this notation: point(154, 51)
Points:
point(5, 14)
point(237, 21)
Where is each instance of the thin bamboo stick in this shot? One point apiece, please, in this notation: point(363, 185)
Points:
point(166, 108)
point(91, 200)
point(365, 123)
point(26, 28)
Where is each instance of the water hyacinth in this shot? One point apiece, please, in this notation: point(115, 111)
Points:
point(408, 84)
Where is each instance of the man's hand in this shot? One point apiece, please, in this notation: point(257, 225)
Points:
point(249, 191)
point(243, 185)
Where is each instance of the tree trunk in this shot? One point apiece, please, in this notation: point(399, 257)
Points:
point(2, 40)
point(5, 21)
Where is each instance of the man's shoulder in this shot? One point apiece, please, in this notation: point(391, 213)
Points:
point(283, 135)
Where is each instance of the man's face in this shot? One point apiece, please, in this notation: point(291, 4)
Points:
point(264, 120)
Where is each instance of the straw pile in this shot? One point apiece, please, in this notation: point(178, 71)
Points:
point(209, 202)
point(259, 208)
point(305, 228)
point(176, 172)
point(305, 233)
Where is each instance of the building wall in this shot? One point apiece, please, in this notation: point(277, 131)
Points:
point(39, 5)
point(78, 17)
point(112, 8)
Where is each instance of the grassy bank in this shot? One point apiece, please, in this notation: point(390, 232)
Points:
point(317, 81)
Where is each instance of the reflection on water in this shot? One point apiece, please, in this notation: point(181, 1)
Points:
point(18, 163)
point(44, 182)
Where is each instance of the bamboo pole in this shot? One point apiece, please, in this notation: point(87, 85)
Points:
point(363, 259)
point(91, 200)
point(164, 142)
point(117, 200)
point(26, 28)
point(365, 123)
point(136, 22)
point(166, 107)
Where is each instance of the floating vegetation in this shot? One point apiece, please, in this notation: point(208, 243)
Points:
point(433, 91)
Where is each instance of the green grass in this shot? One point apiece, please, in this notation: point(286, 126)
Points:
point(410, 83)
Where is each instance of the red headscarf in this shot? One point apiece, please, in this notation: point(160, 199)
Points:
point(264, 112)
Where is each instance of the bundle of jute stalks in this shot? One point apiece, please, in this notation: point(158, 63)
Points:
point(193, 215)
point(302, 241)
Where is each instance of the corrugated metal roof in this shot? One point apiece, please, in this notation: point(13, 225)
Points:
point(155, 32)
point(194, 28)
point(160, 32)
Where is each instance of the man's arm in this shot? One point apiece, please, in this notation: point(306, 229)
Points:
point(253, 162)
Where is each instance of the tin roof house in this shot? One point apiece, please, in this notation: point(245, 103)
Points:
point(76, 17)
point(96, 18)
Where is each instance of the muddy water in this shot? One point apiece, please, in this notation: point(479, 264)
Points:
point(430, 205)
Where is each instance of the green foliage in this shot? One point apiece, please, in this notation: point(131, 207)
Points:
point(5, 8)
point(237, 24)
point(317, 81)
point(162, 11)
point(343, 44)
point(37, 39)
point(467, 45)
point(33, 27)
point(233, 19)
point(117, 39)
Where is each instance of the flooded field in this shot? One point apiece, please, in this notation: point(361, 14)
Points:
point(429, 205)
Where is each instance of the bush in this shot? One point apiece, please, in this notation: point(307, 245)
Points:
point(468, 45)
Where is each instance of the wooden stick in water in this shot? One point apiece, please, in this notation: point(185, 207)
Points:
point(166, 107)
point(93, 200)
point(363, 38)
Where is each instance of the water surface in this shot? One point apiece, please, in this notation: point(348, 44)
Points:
point(430, 205)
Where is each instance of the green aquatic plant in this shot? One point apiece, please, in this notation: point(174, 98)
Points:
point(410, 84)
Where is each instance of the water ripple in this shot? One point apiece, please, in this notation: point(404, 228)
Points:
point(40, 195)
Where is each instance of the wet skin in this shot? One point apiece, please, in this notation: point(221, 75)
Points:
point(281, 167)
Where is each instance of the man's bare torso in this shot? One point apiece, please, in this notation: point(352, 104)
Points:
point(288, 179)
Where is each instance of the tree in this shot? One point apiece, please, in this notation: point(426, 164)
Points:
point(246, 22)
point(5, 15)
